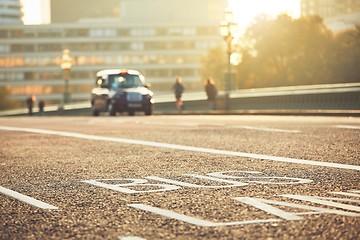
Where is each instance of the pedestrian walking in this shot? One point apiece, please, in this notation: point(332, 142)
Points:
point(41, 106)
point(30, 104)
point(211, 92)
point(178, 89)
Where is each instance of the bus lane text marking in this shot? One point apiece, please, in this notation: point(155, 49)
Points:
point(222, 179)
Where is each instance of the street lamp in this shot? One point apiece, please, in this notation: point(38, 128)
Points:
point(66, 64)
point(228, 29)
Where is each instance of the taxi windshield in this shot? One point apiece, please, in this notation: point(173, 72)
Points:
point(126, 81)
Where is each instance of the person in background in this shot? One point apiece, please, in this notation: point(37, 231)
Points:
point(41, 106)
point(30, 104)
point(178, 89)
point(211, 92)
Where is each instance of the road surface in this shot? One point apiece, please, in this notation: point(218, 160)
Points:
point(180, 177)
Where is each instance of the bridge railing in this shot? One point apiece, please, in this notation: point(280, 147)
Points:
point(344, 96)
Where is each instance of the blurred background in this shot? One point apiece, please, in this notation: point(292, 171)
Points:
point(49, 47)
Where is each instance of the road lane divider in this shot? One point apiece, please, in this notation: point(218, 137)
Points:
point(264, 129)
point(26, 199)
point(131, 238)
point(185, 148)
point(348, 127)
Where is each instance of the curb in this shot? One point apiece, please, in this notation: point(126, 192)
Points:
point(332, 113)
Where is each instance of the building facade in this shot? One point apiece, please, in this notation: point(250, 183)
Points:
point(338, 15)
point(329, 8)
point(30, 56)
point(10, 12)
point(70, 11)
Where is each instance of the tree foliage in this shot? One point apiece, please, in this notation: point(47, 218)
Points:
point(5, 101)
point(213, 65)
point(286, 51)
point(346, 67)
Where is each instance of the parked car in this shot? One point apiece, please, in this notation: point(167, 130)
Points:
point(119, 90)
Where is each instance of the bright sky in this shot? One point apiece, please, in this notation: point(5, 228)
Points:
point(37, 11)
point(246, 10)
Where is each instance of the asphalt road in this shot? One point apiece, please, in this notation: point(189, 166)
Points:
point(180, 177)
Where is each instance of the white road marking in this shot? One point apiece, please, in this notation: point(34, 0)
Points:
point(347, 194)
point(314, 210)
point(265, 129)
point(192, 185)
point(194, 220)
point(220, 125)
point(323, 202)
point(26, 199)
point(136, 183)
point(340, 199)
point(186, 148)
point(131, 238)
point(347, 127)
point(269, 209)
point(168, 124)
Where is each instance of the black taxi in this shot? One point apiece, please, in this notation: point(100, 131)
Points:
point(118, 91)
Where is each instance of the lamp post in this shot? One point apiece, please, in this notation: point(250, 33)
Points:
point(66, 64)
point(228, 29)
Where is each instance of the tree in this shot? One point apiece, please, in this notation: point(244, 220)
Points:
point(314, 50)
point(289, 52)
point(345, 63)
point(286, 52)
point(5, 102)
point(214, 65)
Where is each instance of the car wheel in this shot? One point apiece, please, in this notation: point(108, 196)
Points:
point(149, 111)
point(95, 113)
point(112, 111)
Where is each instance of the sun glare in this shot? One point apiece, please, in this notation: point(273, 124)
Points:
point(245, 11)
point(36, 11)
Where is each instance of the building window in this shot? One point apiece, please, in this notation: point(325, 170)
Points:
point(30, 61)
point(50, 47)
point(142, 32)
point(4, 48)
point(182, 31)
point(16, 33)
point(100, 32)
point(22, 48)
point(137, 46)
point(50, 34)
point(3, 34)
point(76, 33)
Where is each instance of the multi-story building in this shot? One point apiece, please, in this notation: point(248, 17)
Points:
point(337, 14)
point(10, 11)
point(66, 11)
point(30, 56)
point(329, 8)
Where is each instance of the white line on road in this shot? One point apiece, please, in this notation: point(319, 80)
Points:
point(26, 199)
point(186, 148)
point(194, 220)
point(265, 129)
point(131, 238)
point(348, 127)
